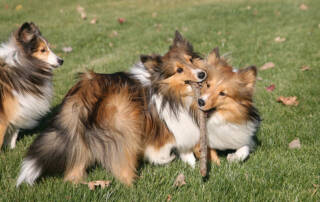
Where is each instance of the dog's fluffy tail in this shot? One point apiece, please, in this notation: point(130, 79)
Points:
point(46, 154)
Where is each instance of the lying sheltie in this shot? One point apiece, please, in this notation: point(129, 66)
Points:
point(227, 97)
point(26, 64)
point(113, 119)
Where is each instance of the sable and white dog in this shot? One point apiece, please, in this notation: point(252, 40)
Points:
point(227, 97)
point(26, 64)
point(116, 119)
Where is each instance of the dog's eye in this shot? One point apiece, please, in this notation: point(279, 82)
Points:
point(222, 93)
point(191, 60)
point(43, 50)
point(179, 70)
point(208, 85)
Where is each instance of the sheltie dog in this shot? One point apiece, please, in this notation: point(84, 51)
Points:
point(113, 119)
point(26, 64)
point(227, 97)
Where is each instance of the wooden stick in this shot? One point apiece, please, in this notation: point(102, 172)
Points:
point(203, 131)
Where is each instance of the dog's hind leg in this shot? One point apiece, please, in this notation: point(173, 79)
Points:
point(3, 129)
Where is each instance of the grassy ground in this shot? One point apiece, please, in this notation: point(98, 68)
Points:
point(246, 29)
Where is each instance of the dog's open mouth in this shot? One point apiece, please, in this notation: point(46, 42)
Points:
point(210, 111)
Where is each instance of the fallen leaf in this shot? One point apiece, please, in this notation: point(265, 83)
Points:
point(271, 88)
point(93, 21)
point(121, 20)
point(219, 33)
point(303, 7)
point(266, 66)
point(154, 14)
point(295, 144)
point(93, 184)
point(279, 39)
point(111, 44)
point(113, 34)
point(82, 12)
point(291, 101)
point(18, 7)
point(305, 68)
point(180, 180)
point(67, 49)
point(169, 197)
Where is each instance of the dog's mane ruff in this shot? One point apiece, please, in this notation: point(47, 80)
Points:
point(140, 73)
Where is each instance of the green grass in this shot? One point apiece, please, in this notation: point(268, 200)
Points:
point(273, 172)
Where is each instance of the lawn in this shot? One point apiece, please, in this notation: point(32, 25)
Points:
point(246, 31)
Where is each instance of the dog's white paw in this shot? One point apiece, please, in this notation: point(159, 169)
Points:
point(240, 155)
point(188, 158)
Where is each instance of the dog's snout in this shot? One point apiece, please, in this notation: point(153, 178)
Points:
point(60, 61)
point(202, 75)
point(201, 102)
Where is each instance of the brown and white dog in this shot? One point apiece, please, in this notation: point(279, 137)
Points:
point(26, 64)
point(227, 97)
point(114, 119)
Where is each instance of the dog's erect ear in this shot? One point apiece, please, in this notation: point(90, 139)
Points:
point(248, 76)
point(151, 62)
point(181, 43)
point(27, 32)
point(214, 56)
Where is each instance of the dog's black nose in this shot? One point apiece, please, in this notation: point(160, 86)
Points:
point(60, 61)
point(201, 102)
point(202, 75)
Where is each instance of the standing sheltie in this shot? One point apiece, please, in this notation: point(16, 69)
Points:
point(113, 119)
point(226, 96)
point(26, 64)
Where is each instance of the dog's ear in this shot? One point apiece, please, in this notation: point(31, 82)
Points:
point(180, 43)
point(214, 56)
point(248, 76)
point(27, 32)
point(151, 62)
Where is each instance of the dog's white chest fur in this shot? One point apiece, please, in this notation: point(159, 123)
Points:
point(184, 129)
point(223, 135)
point(32, 107)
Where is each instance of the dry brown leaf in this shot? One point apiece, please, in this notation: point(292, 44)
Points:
point(270, 88)
point(93, 21)
point(154, 14)
point(82, 12)
point(110, 44)
point(169, 197)
point(67, 49)
point(266, 66)
point(93, 184)
point(291, 101)
point(303, 7)
point(295, 144)
point(113, 34)
point(180, 180)
point(305, 68)
point(18, 7)
point(279, 39)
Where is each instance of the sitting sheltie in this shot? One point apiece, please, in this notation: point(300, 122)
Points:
point(226, 96)
point(113, 119)
point(26, 64)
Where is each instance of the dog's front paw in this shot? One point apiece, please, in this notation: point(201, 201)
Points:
point(188, 158)
point(233, 158)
